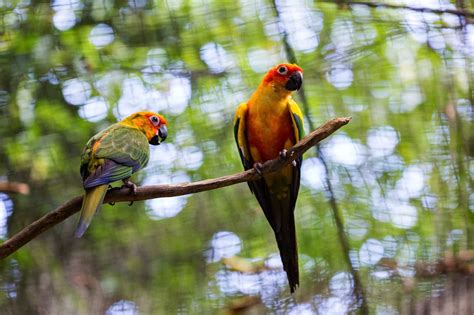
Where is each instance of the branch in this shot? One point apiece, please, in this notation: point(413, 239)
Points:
point(157, 191)
point(13, 187)
point(464, 13)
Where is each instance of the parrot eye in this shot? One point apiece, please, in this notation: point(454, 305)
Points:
point(282, 70)
point(155, 120)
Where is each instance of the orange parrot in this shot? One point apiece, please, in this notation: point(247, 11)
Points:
point(264, 127)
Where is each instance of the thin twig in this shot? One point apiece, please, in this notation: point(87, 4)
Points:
point(157, 191)
point(13, 187)
point(464, 13)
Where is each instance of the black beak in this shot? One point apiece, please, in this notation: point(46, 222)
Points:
point(295, 81)
point(162, 134)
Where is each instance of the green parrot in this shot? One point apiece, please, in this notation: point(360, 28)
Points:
point(115, 154)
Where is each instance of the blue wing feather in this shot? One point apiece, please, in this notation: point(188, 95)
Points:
point(107, 173)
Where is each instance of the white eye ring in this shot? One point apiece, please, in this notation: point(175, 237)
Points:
point(282, 70)
point(155, 120)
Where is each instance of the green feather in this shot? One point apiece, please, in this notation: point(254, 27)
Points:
point(123, 143)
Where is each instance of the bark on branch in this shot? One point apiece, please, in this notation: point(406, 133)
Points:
point(13, 187)
point(157, 191)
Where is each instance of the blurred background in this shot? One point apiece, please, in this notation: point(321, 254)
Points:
point(385, 214)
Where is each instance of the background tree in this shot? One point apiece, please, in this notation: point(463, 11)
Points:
point(381, 201)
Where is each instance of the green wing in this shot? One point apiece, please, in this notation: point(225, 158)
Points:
point(125, 145)
point(297, 119)
point(113, 154)
point(240, 134)
point(298, 127)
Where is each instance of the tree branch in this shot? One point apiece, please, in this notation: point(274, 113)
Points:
point(464, 13)
point(157, 191)
point(13, 187)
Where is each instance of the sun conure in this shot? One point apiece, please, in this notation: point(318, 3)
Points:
point(264, 127)
point(115, 154)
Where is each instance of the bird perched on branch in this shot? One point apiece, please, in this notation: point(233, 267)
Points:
point(115, 154)
point(264, 127)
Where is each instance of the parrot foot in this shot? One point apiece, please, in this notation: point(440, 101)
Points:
point(130, 185)
point(284, 155)
point(258, 168)
point(110, 188)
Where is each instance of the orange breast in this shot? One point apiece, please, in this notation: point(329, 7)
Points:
point(269, 134)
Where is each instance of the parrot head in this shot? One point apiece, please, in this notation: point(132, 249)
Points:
point(286, 76)
point(153, 125)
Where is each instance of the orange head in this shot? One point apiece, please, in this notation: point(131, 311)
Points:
point(288, 76)
point(152, 125)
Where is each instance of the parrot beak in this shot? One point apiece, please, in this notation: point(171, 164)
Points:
point(295, 81)
point(161, 134)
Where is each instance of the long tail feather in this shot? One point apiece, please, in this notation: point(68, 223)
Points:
point(280, 215)
point(92, 202)
point(286, 240)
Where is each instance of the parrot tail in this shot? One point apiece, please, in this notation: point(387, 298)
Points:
point(286, 240)
point(280, 214)
point(91, 203)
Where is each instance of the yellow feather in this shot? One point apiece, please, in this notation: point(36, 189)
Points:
point(294, 109)
point(241, 135)
point(91, 203)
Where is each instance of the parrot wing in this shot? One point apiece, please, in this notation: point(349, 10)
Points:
point(240, 134)
point(125, 145)
point(118, 152)
point(297, 119)
point(298, 127)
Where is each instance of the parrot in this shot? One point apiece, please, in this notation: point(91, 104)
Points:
point(115, 154)
point(264, 128)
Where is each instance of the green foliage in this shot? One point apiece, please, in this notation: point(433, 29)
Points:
point(401, 171)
